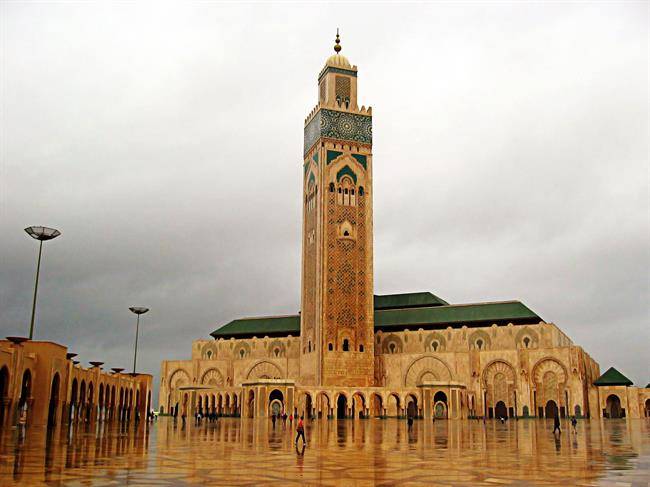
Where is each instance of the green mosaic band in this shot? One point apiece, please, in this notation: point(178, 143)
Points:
point(347, 127)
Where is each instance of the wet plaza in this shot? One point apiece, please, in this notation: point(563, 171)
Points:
point(339, 452)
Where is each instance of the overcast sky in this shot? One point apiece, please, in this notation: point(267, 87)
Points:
point(165, 142)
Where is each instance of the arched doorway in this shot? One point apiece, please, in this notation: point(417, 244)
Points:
point(276, 403)
point(308, 406)
point(54, 401)
point(25, 396)
point(358, 406)
point(322, 405)
point(100, 403)
point(341, 407)
point(440, 405)
point(91, 402)
point(393, 405)
point(411, 406)
point(137, 408)
point(4, 392)
point(550, 410)
point(613, 407)
point(112, 403)
point(73, 400)
point(120, 406)
point(251, 404)
point(82, 401)
point(500, 410)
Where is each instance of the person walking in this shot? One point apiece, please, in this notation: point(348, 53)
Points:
point(273, 420)
point(574, 424)
point(409, 421)
point(291, 420)
point(300, 430)
point(556, 424)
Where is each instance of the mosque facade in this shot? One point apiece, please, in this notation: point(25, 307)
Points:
point(351, 353)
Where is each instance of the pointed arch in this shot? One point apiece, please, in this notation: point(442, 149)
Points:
point(346, 171)
point(264, 370)
point(213, 377)
point(425, 369)
point(179, 378)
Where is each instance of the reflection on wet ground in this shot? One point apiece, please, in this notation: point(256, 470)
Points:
point(344, 452)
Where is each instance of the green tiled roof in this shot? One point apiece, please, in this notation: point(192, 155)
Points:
point(408, 300)
point(480, 313)
point(393, 319)
point(261, 326)
point(612, 378)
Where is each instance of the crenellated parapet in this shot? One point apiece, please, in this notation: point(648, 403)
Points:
point(340, 106)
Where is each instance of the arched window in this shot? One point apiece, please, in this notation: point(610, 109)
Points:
point(435, 345)
point(209, 354)
point(346, 192)
point(346, 345)
point(479, 344)
point(526, 342)
point(361, 348)
point(310, 197)
point(360, 190)
point(392, 347)
point(330, 347)
point(309, 346)
point(241, 353)
point(331, 187)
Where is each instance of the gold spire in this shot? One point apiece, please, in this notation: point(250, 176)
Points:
point(337, 46)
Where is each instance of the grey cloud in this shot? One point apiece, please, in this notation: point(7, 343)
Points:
point(511, 162)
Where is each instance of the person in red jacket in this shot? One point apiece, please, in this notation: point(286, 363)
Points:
point(300, 429)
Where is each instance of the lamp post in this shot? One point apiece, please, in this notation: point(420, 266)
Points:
point(41, 234)
point(138, 310)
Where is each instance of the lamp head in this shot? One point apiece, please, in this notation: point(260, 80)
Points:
point(138, 310)
point(42, 233)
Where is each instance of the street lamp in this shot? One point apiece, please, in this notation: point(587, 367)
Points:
point(41, 234)
point(138, 310)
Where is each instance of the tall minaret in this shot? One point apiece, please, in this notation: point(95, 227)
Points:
point(336, 325)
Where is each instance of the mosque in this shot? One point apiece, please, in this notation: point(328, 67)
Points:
point(351, 353)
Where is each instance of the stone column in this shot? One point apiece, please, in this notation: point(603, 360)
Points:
point(426, 404)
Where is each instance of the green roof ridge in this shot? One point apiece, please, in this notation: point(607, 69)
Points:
point(612, 377)
point(391, 318)
point(407, 300)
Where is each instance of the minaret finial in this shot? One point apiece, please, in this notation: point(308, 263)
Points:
point(337, 46)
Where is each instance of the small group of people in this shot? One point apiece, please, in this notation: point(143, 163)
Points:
point(210, 417)
point(556, 424)
point(300, 426)
point(283, 416)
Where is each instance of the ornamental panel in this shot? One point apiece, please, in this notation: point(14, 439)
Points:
point(338, 125)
